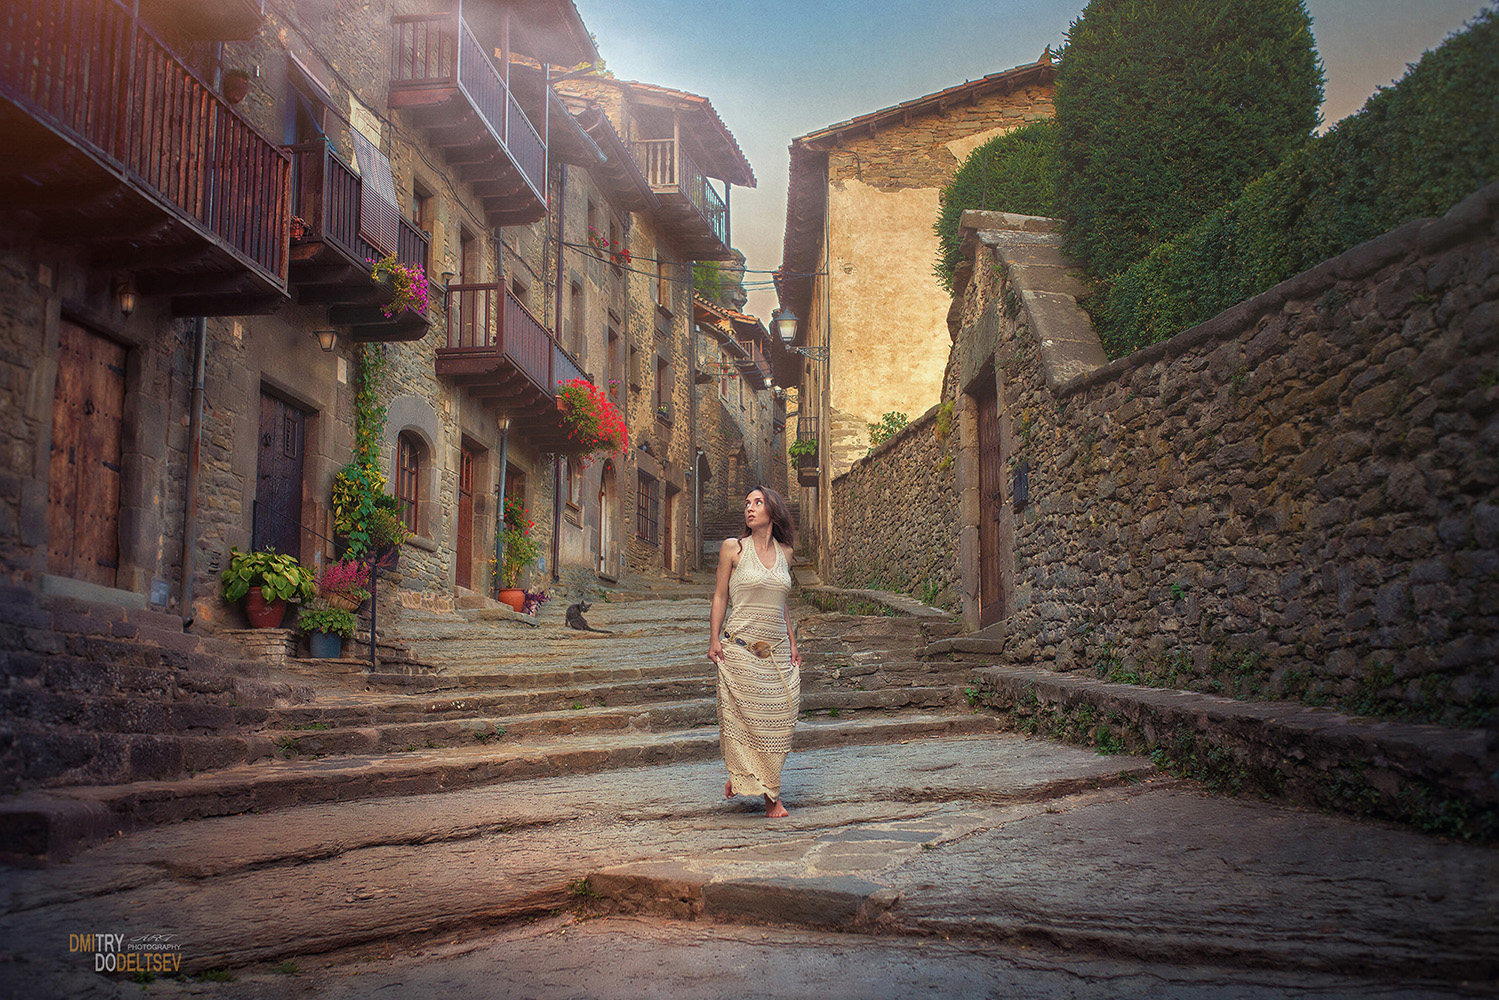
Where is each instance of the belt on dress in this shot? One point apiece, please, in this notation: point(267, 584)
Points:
point(759, 647)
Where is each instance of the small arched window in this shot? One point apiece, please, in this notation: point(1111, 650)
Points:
point(408, 477)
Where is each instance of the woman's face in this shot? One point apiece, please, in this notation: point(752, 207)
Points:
point(755, 511)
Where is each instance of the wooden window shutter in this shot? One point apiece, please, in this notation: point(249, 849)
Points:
point(379, 218)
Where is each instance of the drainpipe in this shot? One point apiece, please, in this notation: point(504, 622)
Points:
point(499, 519)
point(194, 457)
point(556, 329)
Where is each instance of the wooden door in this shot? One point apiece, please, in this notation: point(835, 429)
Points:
point(606, 518)
point(278, 484)
point(991, 505)
point(465, 553)
point(83, 491)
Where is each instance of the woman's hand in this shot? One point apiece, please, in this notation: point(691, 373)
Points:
point(715, 650)
point(796, 656)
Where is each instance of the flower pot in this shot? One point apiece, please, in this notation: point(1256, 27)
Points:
point(262, 614)
point(325, 645)
point(342, 601)
point(513, 596)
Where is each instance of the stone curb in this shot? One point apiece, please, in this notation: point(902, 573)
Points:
point(897, 602)
point(1435, 778)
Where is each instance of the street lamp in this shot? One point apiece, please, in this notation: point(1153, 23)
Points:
point(326, 339)
point(784, 322)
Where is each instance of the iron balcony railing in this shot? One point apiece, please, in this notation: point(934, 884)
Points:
point(668, 168)
point(94, 73)
point(433, 50)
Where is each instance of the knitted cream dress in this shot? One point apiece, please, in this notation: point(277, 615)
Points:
point(758, 695)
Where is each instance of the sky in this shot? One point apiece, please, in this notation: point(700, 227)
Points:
point(777, 69)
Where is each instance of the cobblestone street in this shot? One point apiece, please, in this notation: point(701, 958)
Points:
point(928, 849)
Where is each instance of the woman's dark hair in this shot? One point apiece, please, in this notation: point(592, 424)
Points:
point(782, 528)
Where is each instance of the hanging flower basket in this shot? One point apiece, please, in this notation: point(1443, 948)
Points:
point(594, 425)
point(407, 282)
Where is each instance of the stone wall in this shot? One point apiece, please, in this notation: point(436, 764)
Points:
point(897, 513)
point(1298, 498)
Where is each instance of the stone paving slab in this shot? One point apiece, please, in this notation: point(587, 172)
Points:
point(1014, 841)
point(563, 958)
point(249, 888)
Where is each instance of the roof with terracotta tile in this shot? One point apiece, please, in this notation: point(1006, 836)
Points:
point(727, 160)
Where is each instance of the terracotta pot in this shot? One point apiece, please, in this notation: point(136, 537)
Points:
point(513, 596)
point(236, 87)
point(261, 614)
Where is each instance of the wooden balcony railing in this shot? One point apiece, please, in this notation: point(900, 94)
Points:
point(327, 194)
point(487, 319)
point(440, 50)
point(91, 71)
point(669, 169)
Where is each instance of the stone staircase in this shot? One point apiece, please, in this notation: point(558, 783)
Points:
point(501, 699)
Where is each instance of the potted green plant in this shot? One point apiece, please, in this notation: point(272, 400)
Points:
point(520, 548)
point(265, 581)
point(326, 628)
point(387, 531)
point(803, 453)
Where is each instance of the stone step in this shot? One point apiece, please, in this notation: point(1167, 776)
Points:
point(1438, 779)
point(541, 677)
point(462, 724)
point(53, 823)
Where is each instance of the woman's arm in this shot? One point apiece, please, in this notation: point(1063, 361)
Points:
point(796, 656)
point(728, 556)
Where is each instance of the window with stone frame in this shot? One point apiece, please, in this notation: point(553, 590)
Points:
point(615, 361)
point(574, 488)
point(663, 282)
point(648, 508)
point(576, 312)
point(408, 478)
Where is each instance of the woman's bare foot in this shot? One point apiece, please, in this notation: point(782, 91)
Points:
point(728, 789)
point(774, 809)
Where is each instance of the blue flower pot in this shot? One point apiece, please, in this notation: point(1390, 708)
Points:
point(325, 645)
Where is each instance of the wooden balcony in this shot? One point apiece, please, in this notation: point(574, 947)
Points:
point(114, 146)
point(691, 209)
point(345, 225)
point(442, 77)
point(502, 354)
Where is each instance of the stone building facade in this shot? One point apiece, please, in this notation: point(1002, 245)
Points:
point(740, 415)
point(690, 160)
point(862, 201)
point(363, 148)
point(1294, 499)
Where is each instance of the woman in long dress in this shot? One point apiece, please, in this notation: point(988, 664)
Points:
point(759, 668)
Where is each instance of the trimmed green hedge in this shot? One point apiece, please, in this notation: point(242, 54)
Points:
point(1414, 151)
point(1167, 108)
point(1014, 172)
